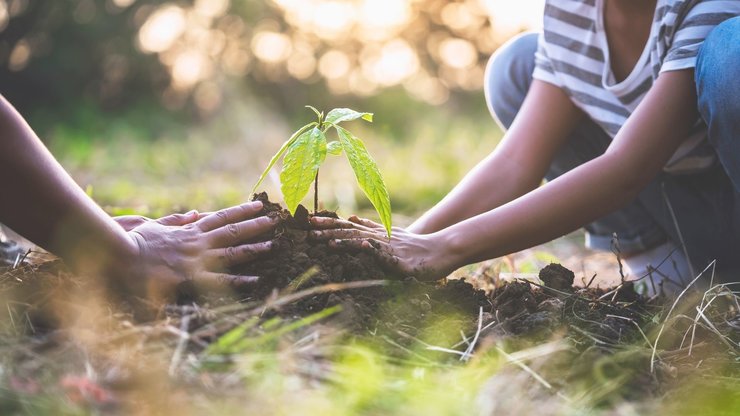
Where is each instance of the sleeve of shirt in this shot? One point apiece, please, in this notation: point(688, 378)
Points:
point(543, 69)
point(692, 31)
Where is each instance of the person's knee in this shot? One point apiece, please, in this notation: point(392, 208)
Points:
point(508, 76)
point(718, 69)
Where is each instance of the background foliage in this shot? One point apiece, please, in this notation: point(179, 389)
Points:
point(169, 104)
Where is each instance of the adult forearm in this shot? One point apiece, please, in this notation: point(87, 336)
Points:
point(41, 201)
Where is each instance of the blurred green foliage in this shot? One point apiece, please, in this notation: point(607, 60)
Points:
point(167, 118)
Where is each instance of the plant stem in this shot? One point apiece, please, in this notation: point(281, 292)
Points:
point(316, 193)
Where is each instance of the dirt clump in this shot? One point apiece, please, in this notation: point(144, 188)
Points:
point(557, 277)
point(301, 261)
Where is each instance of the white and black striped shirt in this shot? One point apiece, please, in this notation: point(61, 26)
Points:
point(573, 54)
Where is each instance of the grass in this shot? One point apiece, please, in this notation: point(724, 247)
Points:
point(240, 358)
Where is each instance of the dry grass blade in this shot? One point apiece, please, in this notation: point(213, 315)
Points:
point(644, 336)
point(670, 311)
point(524, 367)
point(181, 344)
point(469, 351)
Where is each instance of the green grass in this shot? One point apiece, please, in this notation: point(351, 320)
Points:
point(235, 359)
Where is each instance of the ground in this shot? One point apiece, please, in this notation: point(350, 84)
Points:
point(327, 335)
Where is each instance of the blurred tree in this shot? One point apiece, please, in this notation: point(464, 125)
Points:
point(114, 53)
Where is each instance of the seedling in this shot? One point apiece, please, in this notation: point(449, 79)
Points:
point(306, 150)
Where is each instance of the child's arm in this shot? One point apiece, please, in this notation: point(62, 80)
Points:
point(516, 166)
point(40, 201)
point(604, 184)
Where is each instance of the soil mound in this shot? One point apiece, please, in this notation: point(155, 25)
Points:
point(520, 307)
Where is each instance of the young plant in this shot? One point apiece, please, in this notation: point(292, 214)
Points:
point(306, 150)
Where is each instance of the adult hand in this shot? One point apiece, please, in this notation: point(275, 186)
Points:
point(129, 222)
point(191, 247)
point(421, 256)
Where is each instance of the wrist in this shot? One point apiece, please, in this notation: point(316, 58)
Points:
point(452, 249)
point(421, 226)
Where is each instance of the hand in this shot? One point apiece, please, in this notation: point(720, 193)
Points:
point(129, 222)
point(196, 248)
point(421, 256)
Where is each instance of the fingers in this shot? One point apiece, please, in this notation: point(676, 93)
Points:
point(381, 249)
point(343, 234)
point(202, 215)
point(230, 216)
point(216, 281)
point(231, 256)
point(179, 219)
point(233, 234)
point(364, 221)
point(325, 223)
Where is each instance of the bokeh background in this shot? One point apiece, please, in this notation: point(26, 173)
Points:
point(162, 105)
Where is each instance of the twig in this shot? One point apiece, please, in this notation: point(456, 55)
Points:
point(618, 252)
point(591, 281)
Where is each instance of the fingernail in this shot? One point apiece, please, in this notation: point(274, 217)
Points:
point(192, 212)
point(257, 204)
point(251, 279)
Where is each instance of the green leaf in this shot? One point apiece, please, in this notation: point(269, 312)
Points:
point(280, 152)
point(318, 113)
point(334, 148)
point(300, 166)
point(368, 175)
point(339, 115)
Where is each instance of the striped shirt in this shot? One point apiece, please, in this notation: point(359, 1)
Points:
point(573, 54)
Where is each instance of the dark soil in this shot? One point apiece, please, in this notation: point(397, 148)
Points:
point(302, 262)
point(299, 262)
point(521, 308)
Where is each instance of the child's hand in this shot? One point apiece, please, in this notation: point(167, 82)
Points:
point(421, 256)
point(192, 247)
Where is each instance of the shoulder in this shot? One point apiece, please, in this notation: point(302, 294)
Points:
point(579, 14)
point(679, 11)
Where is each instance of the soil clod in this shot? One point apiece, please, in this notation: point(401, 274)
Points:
point(557, 277)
